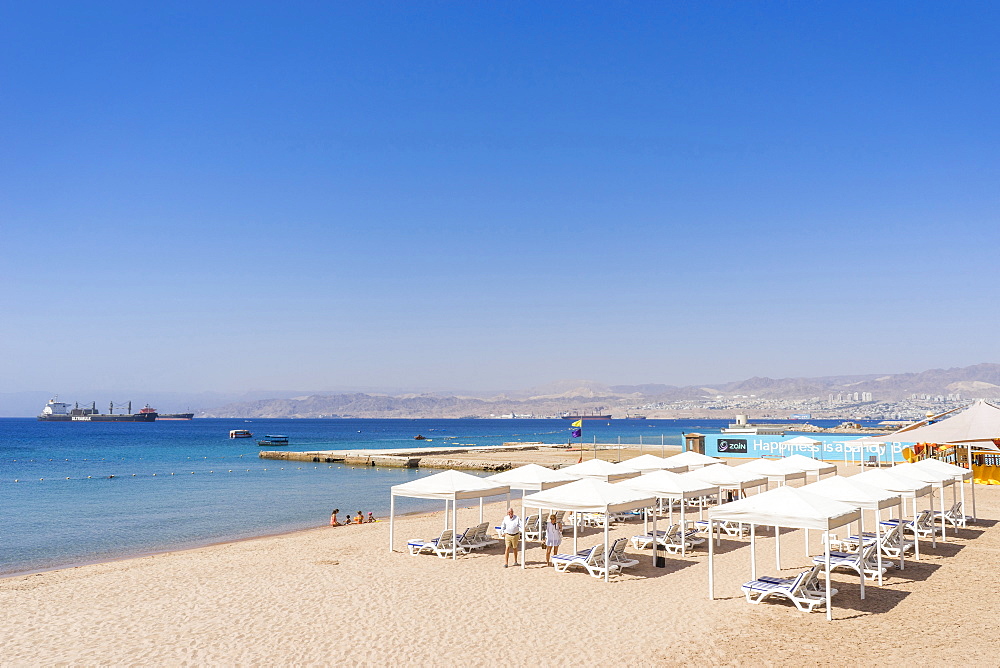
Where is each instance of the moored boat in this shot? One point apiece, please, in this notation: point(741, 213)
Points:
point(273, 439)
point(240, 433)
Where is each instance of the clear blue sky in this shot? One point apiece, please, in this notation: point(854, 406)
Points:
point(480, 195)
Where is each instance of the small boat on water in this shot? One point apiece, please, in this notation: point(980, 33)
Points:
point(240, 433)
point(273, 439)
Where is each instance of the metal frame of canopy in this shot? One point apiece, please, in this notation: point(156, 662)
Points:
point(935, 479)
point(786, 510)
point(959, 473)
point(591, 496)
point(672, 487)
point(447, 486)
point(907, 487)
point(866, 497)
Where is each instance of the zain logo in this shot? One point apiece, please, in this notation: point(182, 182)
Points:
point(738, 445)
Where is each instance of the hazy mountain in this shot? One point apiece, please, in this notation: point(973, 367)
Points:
point(980, 380)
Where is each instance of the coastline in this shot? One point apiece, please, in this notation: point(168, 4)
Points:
point(327, 596)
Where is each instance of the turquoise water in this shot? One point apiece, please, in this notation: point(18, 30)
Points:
point(137, 488)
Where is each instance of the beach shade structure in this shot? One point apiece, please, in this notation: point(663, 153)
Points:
point(588, 495)
point(599, 469)
point(448, 486)
point(810, 465)
point(649, 463)
point(670, 486)
point(976, 427)
point(867, 447)
point(907, 487)
point(787, 507)
point(775, 470)
point(958, 473)
point(936, 479)
point(800, 443)
point(728, 478)
point(690, 459)
point(530, 478)
point(864, 496)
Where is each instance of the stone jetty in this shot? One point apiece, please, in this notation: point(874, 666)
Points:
point(420, 457)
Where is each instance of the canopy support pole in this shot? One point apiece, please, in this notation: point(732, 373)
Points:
point(656, 549)
point(829, 596)
point(454, 529)
point(711, 559)
point(878, 541)
point(392, 517)
point(683, 530)
point(753, 552)
point(607, 560)
point(777, 548)
point(480, 509)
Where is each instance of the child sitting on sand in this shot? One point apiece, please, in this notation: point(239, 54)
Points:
point(371, 518)
point(333, 518)
point(360, 519)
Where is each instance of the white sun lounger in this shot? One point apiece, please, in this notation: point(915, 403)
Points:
point(855, 561)
point(442, 546)
point(923, 526)
point(803, 590)
point(953, 516)
point(592, 560)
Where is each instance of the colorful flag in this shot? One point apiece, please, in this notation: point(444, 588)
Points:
point(578, 423)
point(576, 433)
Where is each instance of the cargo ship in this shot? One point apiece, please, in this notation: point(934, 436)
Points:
point(167, 416)
point(58, 411)
point(593, 415)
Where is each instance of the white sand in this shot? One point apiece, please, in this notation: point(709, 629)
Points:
point(337, 596)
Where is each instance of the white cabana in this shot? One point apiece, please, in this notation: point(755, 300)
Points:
point(448, 486)
point(591, 496)
point(775, 470)
point(958, 474)
point(866, 497)
point(783, 507)
point(799, 443)
point(728, 478)
point(865, 445)
point(531, 477)
point(672, 487)
point(936, 479)
point(907, 487)
point(600, 470)
point(649, 463)
point(692, 460)
point(810, 465)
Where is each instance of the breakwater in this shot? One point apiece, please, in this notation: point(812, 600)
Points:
point(421, 457)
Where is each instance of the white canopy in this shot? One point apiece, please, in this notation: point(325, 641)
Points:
point(979, 422)
point(907, 487)
point(448, 486)
point(727, 477)
point(591, 496)
point(600, 470)
point(801, 443)
point(855, 492)
point(957, 472)
point(866, 497)
point(811, 465)
point(647, 463)
point(531, 477)
point(691, 459)
point(783, 507)
point(788, 507)
point(669, 485)
point(672, 486)
point(775, 470)
point(925, 474)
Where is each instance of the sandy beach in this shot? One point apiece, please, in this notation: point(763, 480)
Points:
point(337, 596)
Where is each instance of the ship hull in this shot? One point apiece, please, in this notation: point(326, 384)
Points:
point(586, 417)
point(174, 416)
point(143, 417)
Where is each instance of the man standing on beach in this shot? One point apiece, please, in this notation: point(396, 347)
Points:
point(511, 530)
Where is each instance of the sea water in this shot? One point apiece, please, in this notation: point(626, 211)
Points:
point(83, 492)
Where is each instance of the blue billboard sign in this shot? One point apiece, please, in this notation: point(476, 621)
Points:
point(831, 447)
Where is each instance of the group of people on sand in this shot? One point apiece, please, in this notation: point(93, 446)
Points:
point(358, 519)
point(511, 528)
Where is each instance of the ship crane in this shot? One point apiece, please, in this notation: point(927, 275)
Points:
point(111, 408)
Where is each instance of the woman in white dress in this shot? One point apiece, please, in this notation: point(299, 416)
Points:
point(553, 537)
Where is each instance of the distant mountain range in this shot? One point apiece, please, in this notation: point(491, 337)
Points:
point(980, 380)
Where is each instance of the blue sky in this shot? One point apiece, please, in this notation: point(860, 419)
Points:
point(446, 195)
